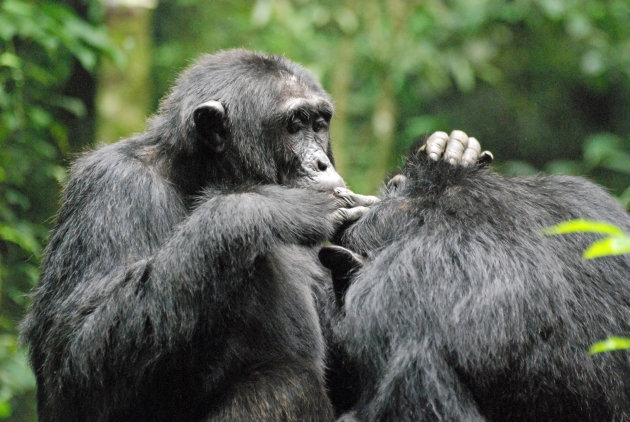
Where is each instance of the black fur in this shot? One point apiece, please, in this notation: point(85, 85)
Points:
point(179, 281)
point(464, 311)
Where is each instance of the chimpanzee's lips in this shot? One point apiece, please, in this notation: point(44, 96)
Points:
point(327, 184)
point(321, 182)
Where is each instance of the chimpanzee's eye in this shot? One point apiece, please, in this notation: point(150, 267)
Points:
point(294, 126)
point(319, 124)
point(298, 121)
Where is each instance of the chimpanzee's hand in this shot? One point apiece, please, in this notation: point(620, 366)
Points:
point(456, 148)
point(352, 207)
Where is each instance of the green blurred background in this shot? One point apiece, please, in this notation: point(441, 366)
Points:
point(544, 84)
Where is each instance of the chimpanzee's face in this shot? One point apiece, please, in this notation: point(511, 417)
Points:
point(305, 126)
point(265, 121)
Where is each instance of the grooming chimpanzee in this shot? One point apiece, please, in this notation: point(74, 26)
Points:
point(178, 284)
point(452, 305)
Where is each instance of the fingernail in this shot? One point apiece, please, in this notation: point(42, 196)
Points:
point(433, 156)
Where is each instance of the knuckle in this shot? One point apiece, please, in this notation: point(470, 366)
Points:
point(438, 138)
point(469, 159)
point(460, 134)
point(340, 192)
point(437, 141)
point(458, 137)
point(474, 144)
point(434, 148)
point(439, 134)
point(366, 200)
point(342, 213)
point(356, 213)
point(455, 148)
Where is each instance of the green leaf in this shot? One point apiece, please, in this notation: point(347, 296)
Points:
point(261, 13)
point(565, 167)
point(554, 9)
point(610, 344)
point(583, 226)
point(21, 237)
point(58, 173)
point(518, 168)
point(347, 20)
point(462, 71)
point(10, 60)
point(72, 105)
point(422, 125)
point(593, 63)
point(624, 198)
point(607, 151)
point(40, 117)
point(613, 245)
point(5, 409)
point(7, 29)
point(84, 55)
point(19, 8)
point(17, 374)
point(600, 146)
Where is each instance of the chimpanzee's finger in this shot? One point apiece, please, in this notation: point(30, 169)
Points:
point(351, 199)
point(435, 145)
point(471, 154)
point(348, 215)
point(457, 143)
point(396, 181)
point(485, 158)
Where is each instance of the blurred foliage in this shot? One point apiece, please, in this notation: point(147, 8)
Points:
point(125, 87)
point(544, 84)
point(614, 242)
point(611, 344)
point(40, 42)
point(605, 159)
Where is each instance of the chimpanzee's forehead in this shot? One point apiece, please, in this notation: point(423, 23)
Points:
point(293, 85)
point(300, 93)
point(313, 102)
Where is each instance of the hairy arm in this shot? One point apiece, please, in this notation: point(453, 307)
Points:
point(129, 270)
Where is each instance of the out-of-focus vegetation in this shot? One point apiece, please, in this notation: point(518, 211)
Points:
point(614, 242)
point(43, 47)
point(544, 84)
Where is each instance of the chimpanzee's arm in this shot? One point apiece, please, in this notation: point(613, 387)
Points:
point(128, 269)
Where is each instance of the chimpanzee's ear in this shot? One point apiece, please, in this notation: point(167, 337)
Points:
point(343, 264)
point(210, 122)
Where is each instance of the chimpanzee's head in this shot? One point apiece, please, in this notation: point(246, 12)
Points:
point(251, 118)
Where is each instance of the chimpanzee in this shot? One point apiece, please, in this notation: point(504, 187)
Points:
point(179, 280)
point(451, 305)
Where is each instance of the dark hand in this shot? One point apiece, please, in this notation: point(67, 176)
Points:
point(352, 207)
